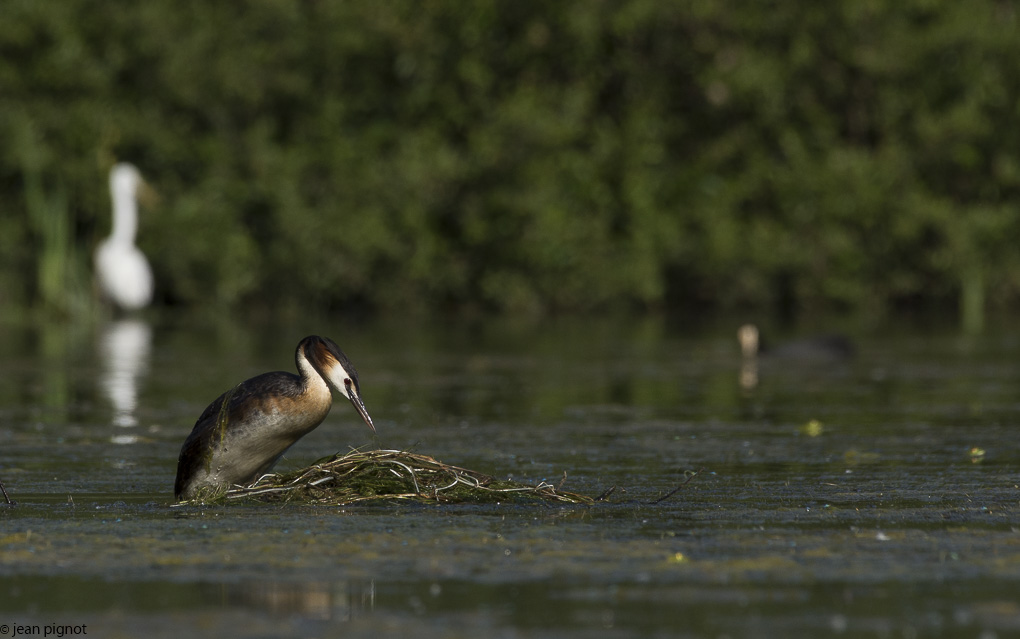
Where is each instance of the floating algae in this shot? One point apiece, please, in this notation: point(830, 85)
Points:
point(361, 476)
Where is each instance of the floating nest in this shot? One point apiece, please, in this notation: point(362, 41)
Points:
point(362, 476)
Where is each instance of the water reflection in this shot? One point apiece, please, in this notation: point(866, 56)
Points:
point(749, 374)
point(124, 347)
point(801, 476)
point(312, 600)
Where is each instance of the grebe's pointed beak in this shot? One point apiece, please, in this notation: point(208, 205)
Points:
point(359, 405)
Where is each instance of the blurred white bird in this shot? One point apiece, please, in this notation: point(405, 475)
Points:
point(123, 273)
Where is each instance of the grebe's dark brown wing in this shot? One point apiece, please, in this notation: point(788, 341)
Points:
point(230, 408)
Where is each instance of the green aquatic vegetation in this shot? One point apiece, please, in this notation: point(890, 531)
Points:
point(361, 476)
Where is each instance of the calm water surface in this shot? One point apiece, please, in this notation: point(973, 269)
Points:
point(874, 498)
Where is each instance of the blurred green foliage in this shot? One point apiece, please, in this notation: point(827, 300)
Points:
point(521, 156)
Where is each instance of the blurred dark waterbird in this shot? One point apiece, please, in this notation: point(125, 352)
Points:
point(816, 348)
point(242, 434)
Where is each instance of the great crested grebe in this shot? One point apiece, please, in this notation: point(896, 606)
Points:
point(247, 429)
point(122, 272)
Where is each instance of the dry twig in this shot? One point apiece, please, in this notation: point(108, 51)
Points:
point(678, 488)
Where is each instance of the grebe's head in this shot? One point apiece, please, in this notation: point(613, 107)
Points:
point(332, 364)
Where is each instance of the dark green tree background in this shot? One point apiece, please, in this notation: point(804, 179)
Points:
point(519, 156)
